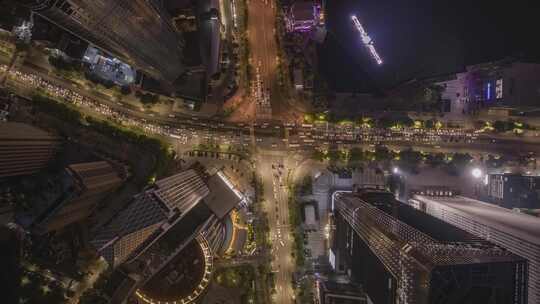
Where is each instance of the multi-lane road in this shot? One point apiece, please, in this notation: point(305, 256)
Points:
point(194, 130)
point(264, 52)
point(274, 171)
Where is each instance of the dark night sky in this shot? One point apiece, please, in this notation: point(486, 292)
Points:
point(422, 38)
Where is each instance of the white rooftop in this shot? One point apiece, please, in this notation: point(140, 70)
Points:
point(523, 226)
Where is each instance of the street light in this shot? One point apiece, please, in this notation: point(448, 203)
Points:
point(395, 170)
point(476, 173)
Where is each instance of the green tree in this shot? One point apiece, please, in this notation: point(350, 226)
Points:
point(382, 153)
point(409, 160)
point(435, 159)
point(430, 124)
point(458, 163)
point(502, 126)
point(148, 99)
point(356, 155)
point(334, 155)
point(317, 155)
point(385, 122)
point(125, 90)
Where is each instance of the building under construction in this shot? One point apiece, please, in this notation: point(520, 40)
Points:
point(401, 255)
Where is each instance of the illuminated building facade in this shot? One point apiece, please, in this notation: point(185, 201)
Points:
point(516, 232)
point(304, 16)
point(419, 258)
point(186, 210)
point(139, 32)
point(502, 83)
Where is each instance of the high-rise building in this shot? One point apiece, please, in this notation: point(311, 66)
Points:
point(84, 186)
point(148, 215)
point(402, 255)
point(183, 202)
point(514, 190)
point(518, 233)
point(178, 221)
point(24, 149)
point(139, 32)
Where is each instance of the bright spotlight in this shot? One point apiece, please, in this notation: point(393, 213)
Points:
point(395, 170)
point(476, 173)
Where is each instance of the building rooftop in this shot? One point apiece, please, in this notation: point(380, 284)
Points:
point(222, 197)
point(180, 277)
point(520, 225)
point(21, 131)
point(437, 241)
point(169, 213)
point(436, 229)
point(181, 191)
point(130, 228)
point(92, 175)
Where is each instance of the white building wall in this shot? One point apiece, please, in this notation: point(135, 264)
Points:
point(518, 246)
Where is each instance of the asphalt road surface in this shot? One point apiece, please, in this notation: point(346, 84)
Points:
point(261, 37)
point(273, 170)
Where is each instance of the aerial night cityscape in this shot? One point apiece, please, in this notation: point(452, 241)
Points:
point(269, 151)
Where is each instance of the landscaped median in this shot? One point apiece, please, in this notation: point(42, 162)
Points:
point(295, 221)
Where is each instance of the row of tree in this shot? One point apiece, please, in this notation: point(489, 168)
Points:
point(385, 122)
point(408, 159)
point(69, 114)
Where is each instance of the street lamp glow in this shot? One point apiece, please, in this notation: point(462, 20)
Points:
point(476, 173)
point(395, 170)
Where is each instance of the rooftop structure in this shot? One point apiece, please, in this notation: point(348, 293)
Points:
point(328, 292)
point(418, 257)
point(24, 149)
point(138, 32)
point(107, 68)
point(519, 233)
